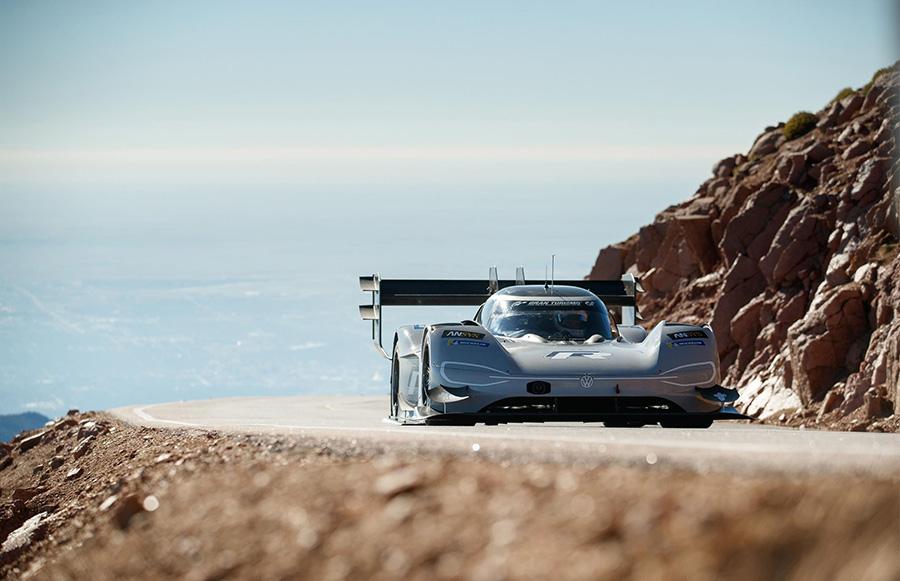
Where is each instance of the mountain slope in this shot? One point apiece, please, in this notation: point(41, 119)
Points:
point(790, 251)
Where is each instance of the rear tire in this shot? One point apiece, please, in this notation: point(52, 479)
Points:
point(694, 423)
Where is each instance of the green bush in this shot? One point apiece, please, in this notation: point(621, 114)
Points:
point(844, 93)
point(799, 125)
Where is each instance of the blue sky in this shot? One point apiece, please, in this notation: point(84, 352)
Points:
point(292, 91)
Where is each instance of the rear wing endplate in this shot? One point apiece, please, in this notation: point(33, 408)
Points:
point(446, 292)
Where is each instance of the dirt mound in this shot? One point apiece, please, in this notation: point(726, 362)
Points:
point(791, 253)
point(88, 497)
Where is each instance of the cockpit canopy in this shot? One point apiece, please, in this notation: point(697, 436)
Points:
point(519, 311)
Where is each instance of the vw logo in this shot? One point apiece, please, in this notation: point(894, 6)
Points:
point(587, 381)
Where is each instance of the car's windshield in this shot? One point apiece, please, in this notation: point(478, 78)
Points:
point(558, 320)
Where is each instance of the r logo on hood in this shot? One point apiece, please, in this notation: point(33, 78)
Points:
point(596, 355)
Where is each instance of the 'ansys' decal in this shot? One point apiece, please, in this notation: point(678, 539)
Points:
point(688, 335)
point(462, 334)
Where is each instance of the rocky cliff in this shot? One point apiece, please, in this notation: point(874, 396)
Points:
point(790, 251)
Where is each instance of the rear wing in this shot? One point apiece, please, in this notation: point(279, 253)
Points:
point(446, 292)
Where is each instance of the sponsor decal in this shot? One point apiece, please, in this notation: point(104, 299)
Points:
point(688, 335)
point(462, 334)
point(553, 304)
point(469, 342)
point(597, 355)
point(688, 342)
point(719, 396)
point(587, 381)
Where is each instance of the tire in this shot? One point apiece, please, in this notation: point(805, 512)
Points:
point(694, 423)
point(395, 386)
point(623, 423)
point(454, 420)
point(426, 374)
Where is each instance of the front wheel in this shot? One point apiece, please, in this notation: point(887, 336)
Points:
point(426, 375)
point(395, 387)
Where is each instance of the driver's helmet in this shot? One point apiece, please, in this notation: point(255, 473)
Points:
point(572, 321)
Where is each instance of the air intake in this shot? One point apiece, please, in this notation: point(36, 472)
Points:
point(538, 387)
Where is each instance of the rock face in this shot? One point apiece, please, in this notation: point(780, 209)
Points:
point(791, 253)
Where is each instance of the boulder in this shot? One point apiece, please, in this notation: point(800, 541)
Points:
point(723, 168)
point(850, 105)
point(859, 147)
point(609, 264)
point(817, 152)
point(820, 341)
point(82, 448)
point(31, 441)
point(869, 177)
point(649, 239)
point(830, 117)
point(790, 168)
point(876, 404)
point(28, 493)
point(836, 272)
point(871, 97)
point(797, 245)
point(745, 325)
point(22, 537)
point(792, 310)
point(765, 144)
point(696, 230)
point(831, 401)
point(65, 422)
point(88, 428)
point(742, 283)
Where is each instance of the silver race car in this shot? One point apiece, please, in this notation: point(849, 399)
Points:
point(537, 352)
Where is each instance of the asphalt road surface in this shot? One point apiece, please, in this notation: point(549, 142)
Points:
point(357, 424)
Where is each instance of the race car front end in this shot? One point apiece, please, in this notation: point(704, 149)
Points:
point(497, 380)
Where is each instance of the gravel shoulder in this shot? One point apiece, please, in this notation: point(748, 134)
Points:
point(93, 497)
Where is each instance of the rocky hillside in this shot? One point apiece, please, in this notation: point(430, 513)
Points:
point(791, 252)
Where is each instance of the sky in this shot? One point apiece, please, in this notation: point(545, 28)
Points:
point(283, 93)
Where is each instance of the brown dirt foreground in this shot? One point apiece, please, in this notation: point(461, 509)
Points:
point(157, 504)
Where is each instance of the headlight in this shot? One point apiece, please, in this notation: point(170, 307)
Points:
point(691, 375)
point(457, 373)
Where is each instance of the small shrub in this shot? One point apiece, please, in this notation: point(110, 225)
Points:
point(844, 93)
point(799, 125)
